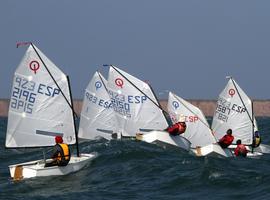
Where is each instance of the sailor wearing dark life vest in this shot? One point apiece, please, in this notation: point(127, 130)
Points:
point(61, 153)
point(227, 139)
point(256, 140)
point(178, 128)
point(240, 150)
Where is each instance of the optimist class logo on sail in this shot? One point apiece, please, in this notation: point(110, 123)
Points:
point(231, 92)
point(98, 85)
point(119, 82)
point(34, 66)
point(175, 104)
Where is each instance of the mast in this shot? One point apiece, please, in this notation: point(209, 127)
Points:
point(73, 116)
point(253, 134)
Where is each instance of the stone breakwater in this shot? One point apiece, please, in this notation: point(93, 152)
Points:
point(261, 107)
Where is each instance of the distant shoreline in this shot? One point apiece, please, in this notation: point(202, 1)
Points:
point(261, 107)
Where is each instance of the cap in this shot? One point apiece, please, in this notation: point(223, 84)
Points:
point(58, 139)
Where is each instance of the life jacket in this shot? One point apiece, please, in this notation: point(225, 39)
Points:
point(226, 141)
point(177, 129)
point(256, 141)
point(63, 156)
point(182, 127)
point(240, 150)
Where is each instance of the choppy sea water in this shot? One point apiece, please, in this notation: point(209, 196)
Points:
point(136, 170)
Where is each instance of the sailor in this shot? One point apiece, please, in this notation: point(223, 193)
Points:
point(178, 128)
point(61, 153)
point(227, 139)
point(240, 150)
point(256, 140)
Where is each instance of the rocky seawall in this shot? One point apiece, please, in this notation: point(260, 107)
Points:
point(261, 107)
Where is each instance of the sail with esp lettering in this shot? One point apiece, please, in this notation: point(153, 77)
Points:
point(136, 107)
point(234, 111)
point(198, 131)
point(97, 115)
point(39, 110)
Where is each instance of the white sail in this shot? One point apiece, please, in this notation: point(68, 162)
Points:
point(198, 131)
point(38, 111)
point(97, 115)
point(234, 111)
point(135, 111)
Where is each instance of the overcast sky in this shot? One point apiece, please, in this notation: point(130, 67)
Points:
point(187, 47)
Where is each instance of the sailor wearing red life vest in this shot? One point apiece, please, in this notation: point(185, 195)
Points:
point(178, 128)
point(227, 139)
point(240, 150)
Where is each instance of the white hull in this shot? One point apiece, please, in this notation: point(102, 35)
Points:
point(36, 168)
point(216, 150)
point(255, 153)
point(263, 148)
point(164, 137)
point(211, 150)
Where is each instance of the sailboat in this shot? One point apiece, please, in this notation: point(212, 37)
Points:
point(97, 116)
point(235, 111)
point(41, 108)
point(198, 132)
point(138, 111)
